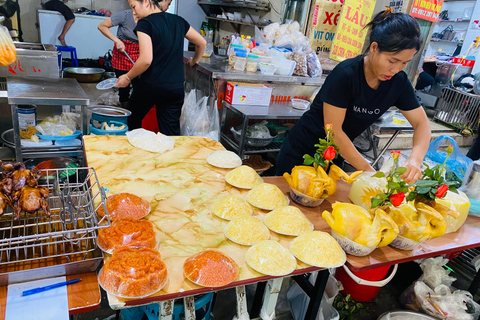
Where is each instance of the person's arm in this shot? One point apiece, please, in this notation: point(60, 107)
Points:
point(335, 116)
point(104, 28)
point(144, 60)
point(421, 139)
point(200, 45)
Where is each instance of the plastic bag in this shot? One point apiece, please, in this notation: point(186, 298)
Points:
point(300, 58)
point(198, 118)
point(8, 52)
point(434, 274)
point(457, 161)
point(109, 98)
point(60, 125)
point(314, 68)
point(299, 300)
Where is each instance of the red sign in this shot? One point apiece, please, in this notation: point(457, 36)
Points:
point(426, 9)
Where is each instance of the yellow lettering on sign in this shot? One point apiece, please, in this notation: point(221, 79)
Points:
point(429, 5)
point(423, 3)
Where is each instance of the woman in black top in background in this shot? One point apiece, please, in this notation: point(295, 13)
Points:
point(358, 91)
point(159, 65)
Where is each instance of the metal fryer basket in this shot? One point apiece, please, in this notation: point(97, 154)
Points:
point(68, 237)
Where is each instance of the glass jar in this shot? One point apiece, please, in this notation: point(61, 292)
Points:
point(240, 61)
point(252, 63)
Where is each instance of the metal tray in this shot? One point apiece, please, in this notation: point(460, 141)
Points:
point(64, 243)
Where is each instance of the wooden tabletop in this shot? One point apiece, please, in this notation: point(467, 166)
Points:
point(468, 236)
point(83, 296)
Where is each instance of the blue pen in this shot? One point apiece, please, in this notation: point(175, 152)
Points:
point(52, 286)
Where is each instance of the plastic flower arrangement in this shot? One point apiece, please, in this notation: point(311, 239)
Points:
point(327, 151)
point(432, 185)
point(396, 187)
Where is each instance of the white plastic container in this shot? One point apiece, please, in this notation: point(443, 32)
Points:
point(267, 68)
point(252, 62)
point(285, 68)
point(240, 61)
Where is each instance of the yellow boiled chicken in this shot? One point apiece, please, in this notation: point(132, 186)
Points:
point(418, 223)
point(360, 226)
point(315, 182)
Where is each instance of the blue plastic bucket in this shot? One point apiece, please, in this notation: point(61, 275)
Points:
point(110, 132)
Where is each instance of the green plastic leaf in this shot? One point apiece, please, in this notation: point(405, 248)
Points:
point(393, 185)
point(425, 183)
point(308, 161)
point(379, 174)
point(401, 170)
point(404, 189)
point(428, 172)
point(411, 196)
point(375, 202)
point(423, 190)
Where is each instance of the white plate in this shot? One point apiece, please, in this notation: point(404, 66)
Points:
point(107, 84)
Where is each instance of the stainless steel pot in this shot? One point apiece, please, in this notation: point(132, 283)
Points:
point(83, 74)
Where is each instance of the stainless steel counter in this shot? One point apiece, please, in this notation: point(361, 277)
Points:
point(45, 91)
point(217, 68)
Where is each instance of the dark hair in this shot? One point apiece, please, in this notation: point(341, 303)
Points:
point(154, 3)
point(394, 32)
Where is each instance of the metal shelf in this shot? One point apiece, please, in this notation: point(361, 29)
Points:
point(454, 21)
point(235, 5)
point(235, 22)
point(272, 147)
point(445, 41)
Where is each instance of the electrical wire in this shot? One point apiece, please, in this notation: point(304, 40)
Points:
point(274, 9)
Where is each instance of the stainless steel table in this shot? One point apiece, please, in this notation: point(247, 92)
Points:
point(232, 113)
point(45, 91)
point(383, 124)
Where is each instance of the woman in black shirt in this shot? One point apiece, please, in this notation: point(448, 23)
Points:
point(159, 65)
point(358, 91)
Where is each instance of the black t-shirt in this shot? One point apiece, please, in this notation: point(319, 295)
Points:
point(167, 32)
point(346, 87)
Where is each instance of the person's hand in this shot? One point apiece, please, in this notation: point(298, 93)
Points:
point(191, 63)
point(122, 81)
point(120, 46)
point(413, 172)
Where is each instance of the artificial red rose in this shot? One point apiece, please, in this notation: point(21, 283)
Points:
point(449, 149)
point(397, 198)
point(328, 127)
point(329, 153)
point(395, 154)
point(441, 191)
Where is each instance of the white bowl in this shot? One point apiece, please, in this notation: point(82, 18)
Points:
point(267, 68)
point(351, 247)
point(300, 104)
point(403, 243)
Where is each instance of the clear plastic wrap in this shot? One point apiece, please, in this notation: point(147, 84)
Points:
point(300, 58)
point(243, 177)
point(246, 231)
point(271, 258)
point(210, 268)
point(8, 52)
point(59, 125)
point(313, 64)
point(403, 243)
point(318, 249)
point(133, 273)
point(303, 199)
point(127, 233)
point(231, 207)
point(125, 205)
point(288, 220)
point(267, 196)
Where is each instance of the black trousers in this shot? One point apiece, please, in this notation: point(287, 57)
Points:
point(289, 157)
point(124, 93)
point(168, 104)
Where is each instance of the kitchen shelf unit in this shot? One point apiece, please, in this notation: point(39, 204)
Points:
point(211, 9)
point(46, 91)
point(232, 115)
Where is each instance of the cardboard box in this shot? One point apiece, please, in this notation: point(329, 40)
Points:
point(248, 94)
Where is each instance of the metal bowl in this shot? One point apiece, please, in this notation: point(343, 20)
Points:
point(254, 142)
point(84, 74)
